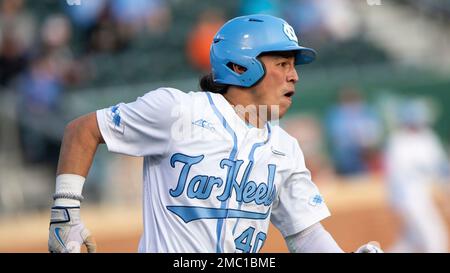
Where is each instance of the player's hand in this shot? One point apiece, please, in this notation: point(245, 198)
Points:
point(370, 247)
point(67, 233)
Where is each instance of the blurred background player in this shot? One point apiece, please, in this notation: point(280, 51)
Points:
point(355, 131)
point(415, 161)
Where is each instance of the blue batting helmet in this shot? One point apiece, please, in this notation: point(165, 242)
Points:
point(241, 40)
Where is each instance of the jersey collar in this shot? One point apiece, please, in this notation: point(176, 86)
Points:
point(235, 121)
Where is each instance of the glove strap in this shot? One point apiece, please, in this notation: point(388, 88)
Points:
point(62, 215)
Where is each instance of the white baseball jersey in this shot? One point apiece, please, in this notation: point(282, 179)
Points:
point(211, 182)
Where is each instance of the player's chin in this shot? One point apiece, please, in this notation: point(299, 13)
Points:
point(284, 107)
point(281, 111)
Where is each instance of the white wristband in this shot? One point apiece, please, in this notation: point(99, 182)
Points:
point(69, 184)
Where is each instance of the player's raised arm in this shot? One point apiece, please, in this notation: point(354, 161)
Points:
point(67, 232)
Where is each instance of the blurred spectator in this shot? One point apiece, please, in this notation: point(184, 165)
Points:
point(16, 37)
point(56, 33)
point(415, 159)
point(13, 59)
point(322, 21)
point(354, 130)
point(308, 132)
point(84, 16)
point(201, 36)
point(271, 7)
point(339, 19)
point(104, 36)
point(40, 91)
point(113, 25)
point(138, 15)
point(306, 18)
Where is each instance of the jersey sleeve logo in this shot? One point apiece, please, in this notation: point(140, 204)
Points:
point(316, 200)
point(116, 119)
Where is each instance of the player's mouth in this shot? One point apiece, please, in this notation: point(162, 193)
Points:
point(289, 94)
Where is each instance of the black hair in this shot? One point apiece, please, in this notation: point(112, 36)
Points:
point(207, 83)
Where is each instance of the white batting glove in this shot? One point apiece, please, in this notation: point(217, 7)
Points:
point(371, 247)
point(67, 233)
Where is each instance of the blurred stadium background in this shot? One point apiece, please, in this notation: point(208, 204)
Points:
point(60, 59)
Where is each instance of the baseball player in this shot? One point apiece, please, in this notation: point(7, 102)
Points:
point(415, 161)
point(216, 166)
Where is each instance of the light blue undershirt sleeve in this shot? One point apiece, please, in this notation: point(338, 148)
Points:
point(314, 239)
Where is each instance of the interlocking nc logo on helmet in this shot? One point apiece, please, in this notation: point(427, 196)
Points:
point(289, 31)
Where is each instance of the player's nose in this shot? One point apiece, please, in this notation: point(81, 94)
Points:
point(292, 75)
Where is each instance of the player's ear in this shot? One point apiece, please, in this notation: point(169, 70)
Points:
point(238, 68)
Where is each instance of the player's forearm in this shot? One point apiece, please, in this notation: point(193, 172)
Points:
point(314, 239)
point(80, 141)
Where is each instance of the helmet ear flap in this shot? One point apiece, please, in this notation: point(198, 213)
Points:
point(262, 75)
point(232, 66)
point(253, 74)
point(236, 67)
